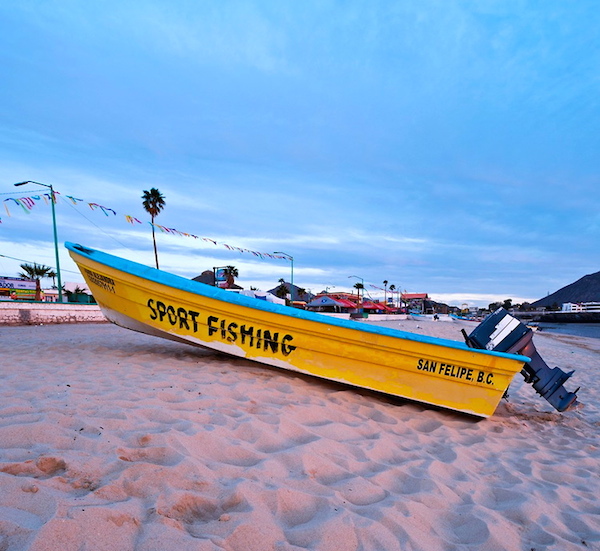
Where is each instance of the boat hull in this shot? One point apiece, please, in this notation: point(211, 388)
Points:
point(433, 371)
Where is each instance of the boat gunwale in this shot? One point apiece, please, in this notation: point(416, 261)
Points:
point(180, 283)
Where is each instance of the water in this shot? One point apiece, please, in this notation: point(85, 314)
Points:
point(578, 329)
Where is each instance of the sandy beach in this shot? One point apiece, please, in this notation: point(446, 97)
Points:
point(113, 440)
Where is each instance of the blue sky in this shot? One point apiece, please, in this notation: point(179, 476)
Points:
point(449, 147)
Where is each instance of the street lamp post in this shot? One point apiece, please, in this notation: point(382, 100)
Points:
point(52, 200)
point(362, 281)
point(291, 259)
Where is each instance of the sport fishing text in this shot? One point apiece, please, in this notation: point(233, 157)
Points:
point(455, 371)
point(229, 331)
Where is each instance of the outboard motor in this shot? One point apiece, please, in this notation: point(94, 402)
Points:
point(503, 333)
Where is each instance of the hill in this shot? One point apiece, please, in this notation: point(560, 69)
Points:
point(586, 289)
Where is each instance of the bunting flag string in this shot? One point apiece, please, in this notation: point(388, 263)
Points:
point(73, 199)
point(174, 231)
point(103, 209)
point(27, 204)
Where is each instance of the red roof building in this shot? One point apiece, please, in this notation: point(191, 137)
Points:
point(414, 296)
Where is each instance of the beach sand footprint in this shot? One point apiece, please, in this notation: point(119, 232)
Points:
point(42, 467)
point(24, 509)
point(156, 455)
point(362, 492)
point(467, 529)
point(427, 426)
point(294, 507)
point(193, 512)
point(190, 509)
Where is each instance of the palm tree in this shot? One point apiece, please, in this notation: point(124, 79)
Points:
point(154, 202)
point(281, 291)
point(77, 291)
point(358, 286)
point(53, 275)
point(385, 283)
point(231, 272)
point(392, 289)
point(37, 272)
point(300, 293)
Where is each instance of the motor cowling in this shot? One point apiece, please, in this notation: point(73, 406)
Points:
point(502, 332)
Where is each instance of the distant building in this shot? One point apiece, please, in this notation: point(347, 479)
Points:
point(208, 277)
point(338, 303)
point(581, 307)
point(72, 292)
point(301, 296)
point(418, 302)
point(345, 303)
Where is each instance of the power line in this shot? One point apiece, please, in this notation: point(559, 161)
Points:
point(19, 193)
point(95, 225)
point(32, 262)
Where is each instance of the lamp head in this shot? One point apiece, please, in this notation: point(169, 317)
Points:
point(32, 182)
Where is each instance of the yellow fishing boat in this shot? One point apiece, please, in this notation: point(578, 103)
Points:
point(434, 371)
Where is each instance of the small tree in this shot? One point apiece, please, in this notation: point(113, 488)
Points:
point(36, 272)
point(153, 203)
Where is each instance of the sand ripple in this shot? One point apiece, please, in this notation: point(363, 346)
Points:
point(114, 440)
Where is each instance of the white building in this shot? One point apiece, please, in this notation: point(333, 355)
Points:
point(581, 307)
